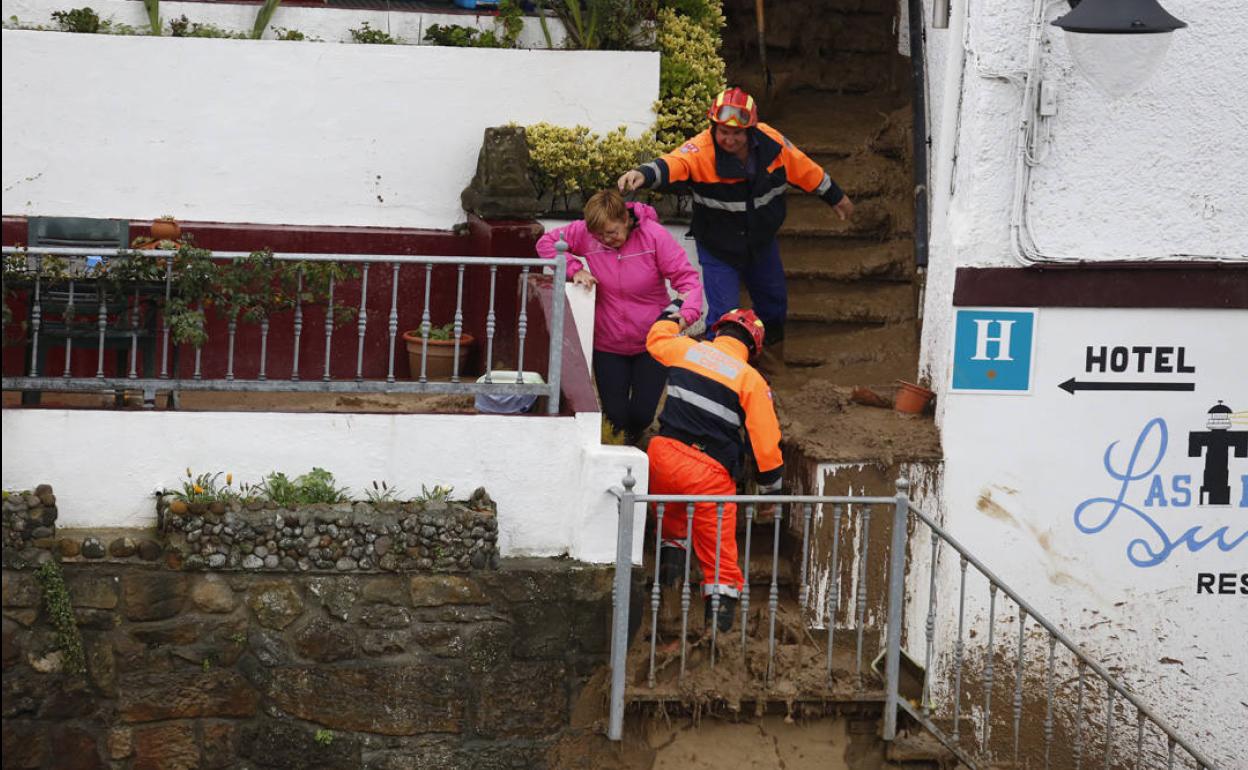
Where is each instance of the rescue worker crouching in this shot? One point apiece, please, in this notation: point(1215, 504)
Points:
point(712, 394)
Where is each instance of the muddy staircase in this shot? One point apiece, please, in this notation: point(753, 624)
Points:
point(841, 92)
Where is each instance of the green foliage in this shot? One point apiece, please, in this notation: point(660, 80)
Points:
point(507, 27)
point(153, 16)
point(82, 19)
point(439, 493)
point(366, 34)
point(282, 33)
point(267, 9)
point(183, 27)
point(202, 488)
point(316, 486)
point(575, 160)
point(323, 737)
point(691, 71)
point(60, 612)
point(381, 493)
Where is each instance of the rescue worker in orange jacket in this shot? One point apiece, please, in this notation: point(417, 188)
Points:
point(738, 171)
point(712, 394)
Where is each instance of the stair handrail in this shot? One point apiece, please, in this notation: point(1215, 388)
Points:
point(902, 508)
point(896, 601)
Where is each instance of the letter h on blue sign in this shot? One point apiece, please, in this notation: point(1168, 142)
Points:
point(992, 350)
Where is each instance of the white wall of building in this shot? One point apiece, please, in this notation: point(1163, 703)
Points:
point(105, 465)
point(1154, 175)
point(327, 24)
point(282, 132)
point(1150, 175)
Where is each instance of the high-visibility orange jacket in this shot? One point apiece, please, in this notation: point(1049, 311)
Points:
point(712, 393)
point(736, 213)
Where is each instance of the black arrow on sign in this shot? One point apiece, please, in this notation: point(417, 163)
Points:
point(1072, 385)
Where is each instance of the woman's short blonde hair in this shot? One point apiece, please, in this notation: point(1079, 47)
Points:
point(603, 208)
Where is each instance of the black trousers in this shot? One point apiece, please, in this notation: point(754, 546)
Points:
point(629, 388)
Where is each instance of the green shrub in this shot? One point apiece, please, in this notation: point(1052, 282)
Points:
point(366, 34)
point(574, 160)
point(315, 486)
point(83, 20)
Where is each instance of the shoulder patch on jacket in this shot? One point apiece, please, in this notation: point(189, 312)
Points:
point(688, 147)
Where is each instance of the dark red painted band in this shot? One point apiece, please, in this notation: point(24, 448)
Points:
point(1216, 286)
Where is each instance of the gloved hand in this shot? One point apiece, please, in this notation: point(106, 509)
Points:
point(672, 311)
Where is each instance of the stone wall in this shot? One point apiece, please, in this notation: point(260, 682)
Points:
point(223, 670)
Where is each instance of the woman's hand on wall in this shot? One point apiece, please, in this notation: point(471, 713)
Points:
point(584, 279)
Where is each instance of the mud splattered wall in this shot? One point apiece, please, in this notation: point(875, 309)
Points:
point(1109, 485)
point(1087, 498)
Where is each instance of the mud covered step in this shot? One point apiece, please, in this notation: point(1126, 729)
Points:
point(835, 124)
point(849, 354)
point(880, 218)
point(862, 301)
point(865, 175)
point(847, 72)
point(846, 259)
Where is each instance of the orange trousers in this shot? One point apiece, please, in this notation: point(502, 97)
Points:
point(678, 469)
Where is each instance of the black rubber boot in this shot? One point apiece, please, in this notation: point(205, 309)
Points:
point(727, 612)
point(671, 565)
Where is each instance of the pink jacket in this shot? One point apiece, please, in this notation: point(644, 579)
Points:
point(631, 291)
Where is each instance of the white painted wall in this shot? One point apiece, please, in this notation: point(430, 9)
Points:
point(549, 475)
point(276, 132)
point(1156, 174)
point(328, 24)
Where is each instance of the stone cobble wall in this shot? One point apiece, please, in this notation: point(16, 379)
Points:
point(288, 670)
point(353, 537)
point(28, 516)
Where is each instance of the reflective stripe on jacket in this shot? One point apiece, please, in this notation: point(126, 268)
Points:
point(736, 215)
point(712, 393)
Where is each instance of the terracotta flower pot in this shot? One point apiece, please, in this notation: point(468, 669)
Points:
point(911, 398)
point(441, 357)
point(166, 230)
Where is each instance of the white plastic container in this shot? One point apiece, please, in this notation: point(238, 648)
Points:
point(489, 403)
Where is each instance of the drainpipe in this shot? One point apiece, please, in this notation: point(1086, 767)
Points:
point(917, 67)
point(950, 109)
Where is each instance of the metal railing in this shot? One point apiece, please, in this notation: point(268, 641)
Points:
point(78, 289)
point(1055, 740)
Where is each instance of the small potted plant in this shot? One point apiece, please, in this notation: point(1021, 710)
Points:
point(441, 357)
point(166, 228)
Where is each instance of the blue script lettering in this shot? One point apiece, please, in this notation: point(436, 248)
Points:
point(1143, 552)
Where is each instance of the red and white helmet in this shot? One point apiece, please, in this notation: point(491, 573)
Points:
point(734, 108)
point(746, 320)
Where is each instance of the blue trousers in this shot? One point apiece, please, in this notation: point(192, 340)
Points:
point(764, 280)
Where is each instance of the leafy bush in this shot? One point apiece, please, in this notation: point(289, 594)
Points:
point(691, 71)
point(77, 20)
point(366, 34)
point(282, 33)
point(184, 27)
point(60, 611)
point(315, 486)
point(575, 160)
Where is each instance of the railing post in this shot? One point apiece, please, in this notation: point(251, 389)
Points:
point(557, 300)
point(620, 601)
point(896, 595)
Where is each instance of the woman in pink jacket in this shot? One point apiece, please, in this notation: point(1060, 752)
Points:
point(629, 256)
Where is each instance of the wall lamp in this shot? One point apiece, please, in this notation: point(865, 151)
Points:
point(1117, 44)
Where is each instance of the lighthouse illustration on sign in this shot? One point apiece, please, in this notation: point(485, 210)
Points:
point(1217, 444)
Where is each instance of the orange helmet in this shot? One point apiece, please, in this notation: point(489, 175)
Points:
point(734, 108)
point(746, 320)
